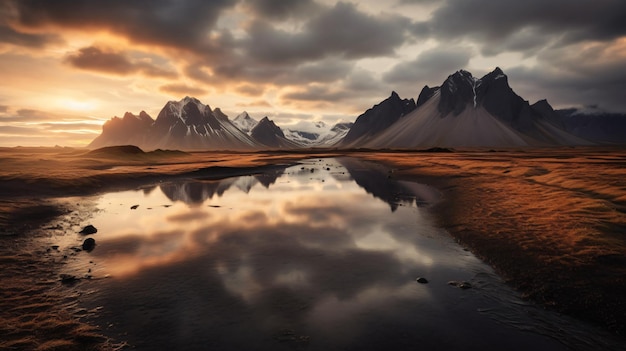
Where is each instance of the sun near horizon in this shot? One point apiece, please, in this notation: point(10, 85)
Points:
point(68, 66)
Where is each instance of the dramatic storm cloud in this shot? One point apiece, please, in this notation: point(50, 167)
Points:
point(181, 24)
point(522, 25)
point(431, 66)
point(342, 31)
point(317, 59)
point(98, 59)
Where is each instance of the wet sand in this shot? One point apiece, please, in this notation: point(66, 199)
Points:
point(551, 222)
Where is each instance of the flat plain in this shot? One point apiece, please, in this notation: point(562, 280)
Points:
point(551, 222)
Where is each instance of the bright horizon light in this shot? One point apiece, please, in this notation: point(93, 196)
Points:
point(293, 61)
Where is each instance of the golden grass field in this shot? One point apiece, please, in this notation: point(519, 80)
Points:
point(552, 222)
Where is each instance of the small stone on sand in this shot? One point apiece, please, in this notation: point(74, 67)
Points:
point(89, 244)
point(89, 230)
point(461, 285)
point(68, 278)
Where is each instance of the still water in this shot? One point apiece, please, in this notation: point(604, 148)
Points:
point(319, 256)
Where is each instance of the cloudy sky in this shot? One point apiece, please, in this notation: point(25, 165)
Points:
point(68, 65)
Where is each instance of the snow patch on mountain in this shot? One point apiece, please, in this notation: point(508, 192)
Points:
point(245, 122)
point(316, 133)
point(187, 124)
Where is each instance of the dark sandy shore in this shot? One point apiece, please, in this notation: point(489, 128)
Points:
point(552, 222)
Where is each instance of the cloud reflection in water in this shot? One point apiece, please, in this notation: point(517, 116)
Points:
point(232, 263)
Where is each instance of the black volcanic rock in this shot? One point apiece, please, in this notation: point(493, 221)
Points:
point(89, 244)
point(543, 108)
point(426, 93)
point(379, 118)
point(497, 97)
point(457, 91)
point(469, 112)
point(269, 134)
point(89, 229)
point(492, 92)
point(461, 90)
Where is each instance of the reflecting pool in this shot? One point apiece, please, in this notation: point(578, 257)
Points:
point(323, 255)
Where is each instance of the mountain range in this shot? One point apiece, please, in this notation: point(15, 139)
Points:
point(187, 124)
point(464, 111)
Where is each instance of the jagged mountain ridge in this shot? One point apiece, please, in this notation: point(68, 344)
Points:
point(270, 135)
point(337, 134)
point(464, 111)
point(317, 134)
point(187, 124)
point(377, 119)
point(245, 122)
point(473, 112)
point(123, 131)
point(594, 124)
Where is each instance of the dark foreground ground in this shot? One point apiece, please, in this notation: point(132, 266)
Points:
point(552, 222)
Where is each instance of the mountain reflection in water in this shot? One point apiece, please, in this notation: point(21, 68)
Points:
point(374, 178)
point(308, 257)
point(195, 192)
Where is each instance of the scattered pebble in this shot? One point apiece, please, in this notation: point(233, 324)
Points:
point(461, 285)
point(88, 230)
point(422, 280)
point(89, 244)
point(68, 278)
point(134, 207)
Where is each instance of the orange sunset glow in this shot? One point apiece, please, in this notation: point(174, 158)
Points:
point(68, 66)
point(312, 175)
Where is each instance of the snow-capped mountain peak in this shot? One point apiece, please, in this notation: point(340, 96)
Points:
point(185, 124)
point(244, 122)
point(269, 134)
point(316, 133)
